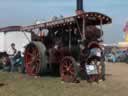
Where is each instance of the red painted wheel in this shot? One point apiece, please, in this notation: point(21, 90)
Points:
point(68, 69)
point(35, 58)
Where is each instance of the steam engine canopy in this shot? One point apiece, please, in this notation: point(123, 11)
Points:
point(92, 18)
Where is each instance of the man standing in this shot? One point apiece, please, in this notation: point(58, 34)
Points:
point(12, 53)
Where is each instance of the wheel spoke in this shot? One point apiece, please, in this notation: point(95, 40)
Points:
point(71, 72)
point(30, 54)
point(33, 70)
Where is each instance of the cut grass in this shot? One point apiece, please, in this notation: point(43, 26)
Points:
point(16, 84)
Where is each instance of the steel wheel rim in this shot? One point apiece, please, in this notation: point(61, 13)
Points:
point(32, 60)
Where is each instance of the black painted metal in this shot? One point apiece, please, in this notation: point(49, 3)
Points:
point(80, 5)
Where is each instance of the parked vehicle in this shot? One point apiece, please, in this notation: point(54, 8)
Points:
point(110, 57)
point(120, 55)
point(117, 56)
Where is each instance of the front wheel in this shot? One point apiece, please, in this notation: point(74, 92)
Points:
point(95, 68)
point(68, 69)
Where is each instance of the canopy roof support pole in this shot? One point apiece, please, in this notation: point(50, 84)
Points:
point(101, 28)
point(78, 26)
point(70, 37)
point(83, 30)
point(26, 37)
point(5, 42)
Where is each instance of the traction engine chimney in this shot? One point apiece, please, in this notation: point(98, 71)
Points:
point(79, 7)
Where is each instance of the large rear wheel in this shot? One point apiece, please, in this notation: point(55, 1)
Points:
point(35, 58)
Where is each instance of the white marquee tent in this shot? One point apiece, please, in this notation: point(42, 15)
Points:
point(19, 38)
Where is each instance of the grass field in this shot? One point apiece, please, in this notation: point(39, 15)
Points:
point(16, 84)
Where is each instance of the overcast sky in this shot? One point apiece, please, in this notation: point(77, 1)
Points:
point(26, 12)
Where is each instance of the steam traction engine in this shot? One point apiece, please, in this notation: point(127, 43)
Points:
point(71, 48)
